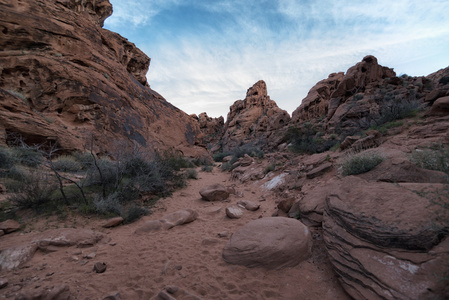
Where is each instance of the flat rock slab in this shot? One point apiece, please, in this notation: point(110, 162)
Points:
point(9, 226)
point(215, 192)
point(320, 170)
point(273, 243)
point(177, 218)
point(14, 257)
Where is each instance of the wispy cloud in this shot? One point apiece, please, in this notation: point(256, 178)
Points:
point(205, 54)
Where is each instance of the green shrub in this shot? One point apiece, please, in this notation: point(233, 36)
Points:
point(109, 205)
point(36, 192)
point(218, 157)
point(361, 163)
point(307, 139)
point(432, 159)
point(134, 213)
point(384, 127)
point(191, 174)
point(66, 163)
point(27, 157)
point(6, 158)
point(207, 168)
point(269, 168)
point(226, 166)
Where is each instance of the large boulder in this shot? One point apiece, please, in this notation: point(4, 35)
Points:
point(214, 192)
point(273, 243)
point(385, 241)
point(65, 79)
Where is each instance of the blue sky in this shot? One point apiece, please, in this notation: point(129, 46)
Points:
point(206, 54)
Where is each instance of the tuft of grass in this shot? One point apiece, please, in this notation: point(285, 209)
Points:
point(361, 163)
point(269, 168)
point(66, 163)
point(384, 127)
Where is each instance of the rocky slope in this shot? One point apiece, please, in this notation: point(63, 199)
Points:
point(63, 78)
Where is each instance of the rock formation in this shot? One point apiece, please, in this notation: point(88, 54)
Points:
point(385, 241)
point(212, 128)
point(254, 119)
point(64, 79)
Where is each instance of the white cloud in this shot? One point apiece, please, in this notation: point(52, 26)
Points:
point(208, 71)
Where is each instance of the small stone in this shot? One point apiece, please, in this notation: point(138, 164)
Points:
point(113, 296)
point(249, 205)
point(100, 267)
point(172, 289)
point(90, 255)
point(3, 282)
point(223, 234)
point(234, 212)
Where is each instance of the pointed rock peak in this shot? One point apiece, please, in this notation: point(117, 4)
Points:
point(370, 59)
point(259, 89)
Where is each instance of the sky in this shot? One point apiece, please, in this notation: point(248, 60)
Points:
point(205, 54)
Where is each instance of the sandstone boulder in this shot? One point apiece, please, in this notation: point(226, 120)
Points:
point(64, 237)
point(179, 217)
point(215, 192)
point(113, 222)
point(234, 212)
point(9, 226)
point(384, 241)
point(273, 243)
point(320, 170)
point(440, 107)
point(249, 205)
point(169, 221)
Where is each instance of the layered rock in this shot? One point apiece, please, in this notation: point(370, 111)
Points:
point(212, 128)
point(253, 119)
point(64, 79)
point(385, 241)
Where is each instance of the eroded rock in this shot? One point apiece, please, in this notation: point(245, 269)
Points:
point(273, 243)
point(9, 226)
point(215, 192)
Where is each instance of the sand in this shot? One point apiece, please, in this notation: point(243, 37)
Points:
point(187, 256)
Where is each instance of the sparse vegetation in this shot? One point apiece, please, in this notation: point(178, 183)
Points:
point(269, 168)
point(207, 168)
point(308, 139)
point(434, 158)
point(361, 163)
point(191, 174)
point(384, 127)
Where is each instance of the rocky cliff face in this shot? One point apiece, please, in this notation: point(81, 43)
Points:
point(64, 78)
point(254, 119)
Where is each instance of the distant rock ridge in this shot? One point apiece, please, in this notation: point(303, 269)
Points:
point(65, 79)
point(251, 120)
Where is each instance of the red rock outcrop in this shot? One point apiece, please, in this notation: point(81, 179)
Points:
point(386, 241)
point(212, 128)
point(64, 78)
point(253, 119)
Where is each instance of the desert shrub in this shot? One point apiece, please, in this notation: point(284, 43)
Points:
point(361, 163)
point(269, 168)
point(307, 139)
point(106, 173)
point(395, 109)
point(36, 192)
point(218, 157)
point(202, 161)
point(6, 158)
point(207, 168)
point(66, 163)
point(174, 161)
point(384, 127)
point(248, 149)
point(191, 174)
point(109, 205)
point(226, 166)
point(432, 159)
point(27, 156)
point(134, 213)
point(444, 80)
point(18, 173)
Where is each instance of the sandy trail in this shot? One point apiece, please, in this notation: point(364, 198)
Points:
point(187, 256)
